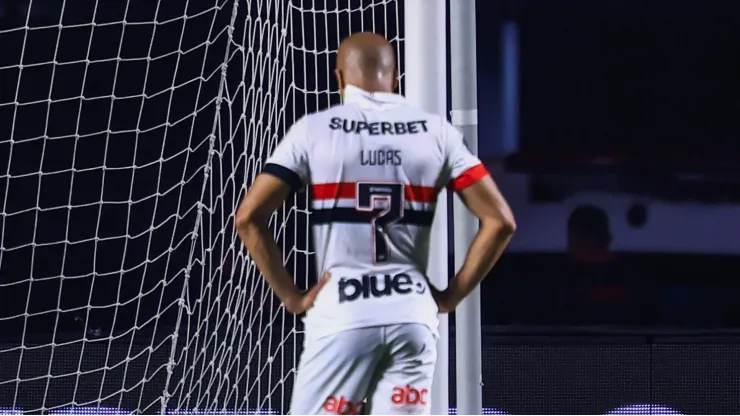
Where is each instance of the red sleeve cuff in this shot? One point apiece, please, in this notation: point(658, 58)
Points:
point(468, 177)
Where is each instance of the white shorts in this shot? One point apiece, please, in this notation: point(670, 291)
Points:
point(384, 370)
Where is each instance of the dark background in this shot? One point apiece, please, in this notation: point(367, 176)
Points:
point(121, 164)
point(621, 74)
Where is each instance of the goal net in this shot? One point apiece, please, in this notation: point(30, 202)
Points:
point(129, 130)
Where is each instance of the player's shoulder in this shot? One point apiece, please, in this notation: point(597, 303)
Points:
point(330, 112)
point(438, 125)
point(310, 124)
point(319, 120)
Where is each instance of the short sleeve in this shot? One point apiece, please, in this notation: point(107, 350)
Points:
point(289, 161)
point(463, 167)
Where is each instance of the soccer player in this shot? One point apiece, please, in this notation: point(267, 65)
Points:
point(375, 166)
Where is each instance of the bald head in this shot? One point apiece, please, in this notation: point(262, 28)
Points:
point(366, 60)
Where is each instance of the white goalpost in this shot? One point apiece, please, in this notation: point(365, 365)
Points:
point(426, 87)
point(128, 133)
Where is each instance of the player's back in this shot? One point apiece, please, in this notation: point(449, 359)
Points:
point(374, 175)
point(375, 168)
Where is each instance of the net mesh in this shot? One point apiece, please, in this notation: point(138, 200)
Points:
point(128, 132)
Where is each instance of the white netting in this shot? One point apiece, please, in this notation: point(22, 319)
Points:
point(128, 133)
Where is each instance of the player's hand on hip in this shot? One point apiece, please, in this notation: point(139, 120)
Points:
point(446, 300)
point(304, 301)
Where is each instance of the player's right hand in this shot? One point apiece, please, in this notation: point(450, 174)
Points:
point(304, 301)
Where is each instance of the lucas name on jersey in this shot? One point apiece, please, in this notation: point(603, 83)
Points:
point(380, 157)
point(378, 128)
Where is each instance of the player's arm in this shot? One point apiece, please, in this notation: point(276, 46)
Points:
point(479, 193)
point(497, 225)
point(252, 219)
point(286, 170)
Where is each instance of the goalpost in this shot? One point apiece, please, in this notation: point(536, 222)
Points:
point(128, 132)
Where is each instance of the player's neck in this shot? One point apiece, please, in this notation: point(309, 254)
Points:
point(373, 86)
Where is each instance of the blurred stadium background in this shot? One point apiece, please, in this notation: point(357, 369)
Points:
point(128, 129)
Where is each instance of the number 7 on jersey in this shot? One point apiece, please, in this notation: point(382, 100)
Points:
point(387, 200)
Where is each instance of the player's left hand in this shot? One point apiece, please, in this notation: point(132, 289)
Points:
point(305, 300)
point(445, 299)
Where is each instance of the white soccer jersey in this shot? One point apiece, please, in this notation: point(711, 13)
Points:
point(374, 166)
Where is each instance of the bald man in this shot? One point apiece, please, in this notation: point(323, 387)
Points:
point(375, 166)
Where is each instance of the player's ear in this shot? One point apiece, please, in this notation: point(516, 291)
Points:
point(340, 81)
point(395, 79)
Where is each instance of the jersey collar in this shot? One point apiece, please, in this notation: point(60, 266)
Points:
point(357, 95)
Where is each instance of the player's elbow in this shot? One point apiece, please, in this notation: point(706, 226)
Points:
point(509, 227)
point(509, 223)
point(242, 219)
point(247, 217)
point(501, 227)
